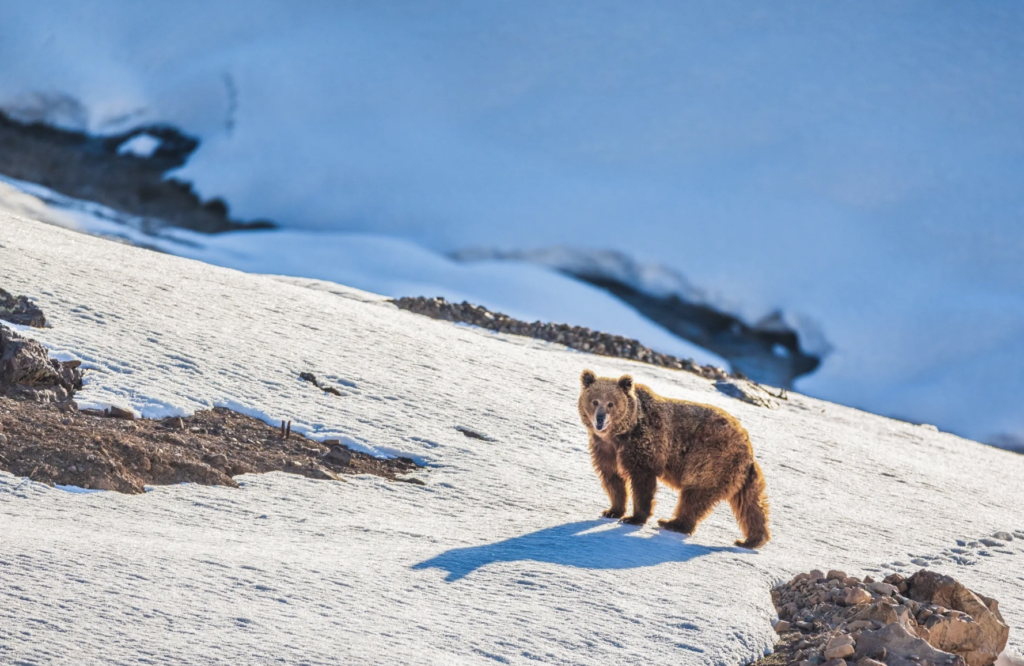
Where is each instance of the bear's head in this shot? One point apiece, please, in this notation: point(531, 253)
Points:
point(607, 406)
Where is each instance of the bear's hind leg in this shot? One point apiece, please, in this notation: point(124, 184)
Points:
point(750, 506)
point(616, 489)
point(694, 505)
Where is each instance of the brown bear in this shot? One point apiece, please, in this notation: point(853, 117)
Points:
point(638, 437)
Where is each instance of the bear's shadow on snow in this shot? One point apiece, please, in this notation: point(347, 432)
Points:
point(578, 544)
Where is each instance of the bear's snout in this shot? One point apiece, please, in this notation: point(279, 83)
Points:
point(600, 419)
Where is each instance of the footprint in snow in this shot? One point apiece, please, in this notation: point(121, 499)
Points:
point(967, 551)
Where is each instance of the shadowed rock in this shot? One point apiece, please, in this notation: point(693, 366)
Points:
point(26, 366)
point(19, 310)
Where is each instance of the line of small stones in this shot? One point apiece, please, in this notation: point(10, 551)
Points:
point(575, 337)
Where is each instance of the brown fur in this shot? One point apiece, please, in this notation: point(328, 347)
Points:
point(700, 450)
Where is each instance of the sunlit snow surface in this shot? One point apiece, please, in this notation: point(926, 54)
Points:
point(499, 557)
point(855, 165)
point(388, 266)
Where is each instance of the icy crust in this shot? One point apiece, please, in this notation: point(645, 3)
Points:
point(499, 557)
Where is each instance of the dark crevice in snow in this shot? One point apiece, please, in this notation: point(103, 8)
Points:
point(124, 171)
point(768, 352)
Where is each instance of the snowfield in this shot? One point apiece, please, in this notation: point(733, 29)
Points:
point(388, 266)
point(499, 558)
point(857, 167)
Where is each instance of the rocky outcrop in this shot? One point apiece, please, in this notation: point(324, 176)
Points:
point(576, 337)
point(748, 391)
point(19, 310)
point(926, 620)
point(26, 369)
point(96, 168)
point(979, 641)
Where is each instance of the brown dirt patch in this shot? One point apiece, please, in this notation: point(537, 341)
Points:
point(54, 444)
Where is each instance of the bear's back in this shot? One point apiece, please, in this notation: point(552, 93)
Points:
point(693, 425)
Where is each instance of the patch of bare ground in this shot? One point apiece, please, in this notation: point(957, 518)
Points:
point(53, 444)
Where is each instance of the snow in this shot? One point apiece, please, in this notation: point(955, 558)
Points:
point(377, 264)
point(76, 490)
point(499, 557)
point(858, 169)
point(140, 145)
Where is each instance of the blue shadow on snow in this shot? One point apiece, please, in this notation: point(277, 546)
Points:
point(578, 544)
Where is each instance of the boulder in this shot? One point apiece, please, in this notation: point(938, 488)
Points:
point(895, 646)
point(979, 641)
point(25, 363)
point(339, 455)
point(19, 310)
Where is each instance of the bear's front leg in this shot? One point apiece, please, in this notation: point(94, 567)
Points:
point(607, 467)
point(616, 489)
point(643, 485)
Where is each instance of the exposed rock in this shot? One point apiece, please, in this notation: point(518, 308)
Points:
point(19, 310)
point(884, 588)
point(748, 392)
point(311, 378)
point(857, 596)
point(26, 369)
point(338, 454)
point(835, 617)
point(980, 640)
point(218, 460)
point(92, 167)
point(120, 413)
point(576, 337)
point(473, 434)
point(901, 648)
point(839, 651)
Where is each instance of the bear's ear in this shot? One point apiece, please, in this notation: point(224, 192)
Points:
point(625, 383)
point(587, 378)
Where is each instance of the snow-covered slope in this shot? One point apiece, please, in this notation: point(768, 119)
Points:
point(383, 265)
point(855, 165)
point(498, 558)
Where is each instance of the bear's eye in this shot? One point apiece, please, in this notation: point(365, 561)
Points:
point(595, 403)
point(609, 405)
